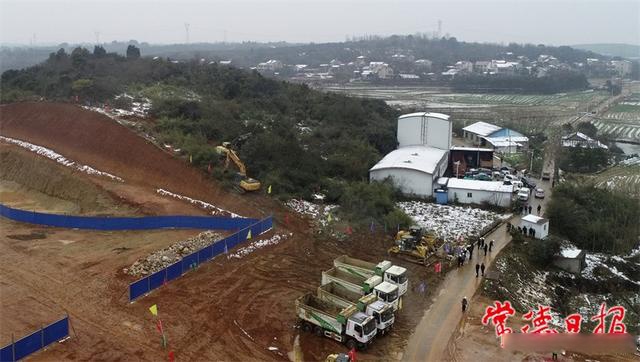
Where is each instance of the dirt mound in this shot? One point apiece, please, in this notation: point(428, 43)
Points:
point(31, 173)
point(94, 139)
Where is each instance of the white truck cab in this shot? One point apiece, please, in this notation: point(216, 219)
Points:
point(397, 275)
point(361, 327)
point(388, 293)
point(382, 314)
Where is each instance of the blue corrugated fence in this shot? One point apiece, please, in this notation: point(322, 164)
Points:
point(127, 223)
point(145, 285)
point(36, 341)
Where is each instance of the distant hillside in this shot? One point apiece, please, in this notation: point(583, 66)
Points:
point(613, 50)
point(441, 51)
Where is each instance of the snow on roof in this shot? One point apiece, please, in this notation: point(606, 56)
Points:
point(482, 128)
point(493, 186)
point(419, 158)
point(476, 149)
point(570, 252)
point(426, 114)
point(502, 143)
point(579, 139)
point(534, 219)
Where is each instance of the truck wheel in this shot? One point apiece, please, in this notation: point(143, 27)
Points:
point(351, 344)
point(318, 331)
point(306, 327)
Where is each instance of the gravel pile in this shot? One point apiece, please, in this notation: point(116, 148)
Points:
point(167, 256)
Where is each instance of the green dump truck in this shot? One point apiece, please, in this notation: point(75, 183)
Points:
point(347, 325)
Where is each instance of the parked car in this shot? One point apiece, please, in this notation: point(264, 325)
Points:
point(511, 178)
point(528, 182)
point(483, 177)
point(546, 175)
point(497, 175)
point(517, 185)
point(539, 194)
point(523, 194)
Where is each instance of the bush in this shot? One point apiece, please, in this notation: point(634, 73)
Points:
point(594, 219)
point(541, 252)
point(397, 219)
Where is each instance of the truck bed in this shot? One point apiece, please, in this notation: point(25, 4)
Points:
point(346, 276)
point(345, 259)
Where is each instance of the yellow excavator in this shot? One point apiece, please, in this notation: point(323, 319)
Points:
point(413, 245)
point(246, 183)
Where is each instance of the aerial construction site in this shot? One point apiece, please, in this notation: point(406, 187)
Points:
point(240, 306)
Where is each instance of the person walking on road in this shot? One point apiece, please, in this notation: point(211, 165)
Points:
point(491, 245)
point(477, 269)
point(539, 208)
point(482, 269)
point(485, 249)
point(470, 251)
point(529, 208)
point(464, 304)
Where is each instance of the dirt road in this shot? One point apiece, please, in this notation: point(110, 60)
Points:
point(432, 334)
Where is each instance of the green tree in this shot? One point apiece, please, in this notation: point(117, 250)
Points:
point(133, 52)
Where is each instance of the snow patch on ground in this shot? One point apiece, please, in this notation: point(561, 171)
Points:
point(50, 154)
point(203, 205)
point(319, 213)
point(258, 244)
point(448, 222)
point(597, 260)
point(631, 161)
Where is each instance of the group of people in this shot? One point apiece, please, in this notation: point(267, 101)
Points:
point(526, 209)
point(467, 252)
point(531, 232)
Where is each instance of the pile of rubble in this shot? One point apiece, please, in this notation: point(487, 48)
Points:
point(167, 256)
point(448, 222)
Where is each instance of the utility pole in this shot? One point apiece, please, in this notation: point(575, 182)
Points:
point(186, 29)
point(531, 163)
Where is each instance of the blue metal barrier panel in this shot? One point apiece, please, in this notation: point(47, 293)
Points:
point(218, 247)
point(56, 331)
point(6, 353)
point(138, 289)
point(189, 262)
point(174, 271)
point(256, 229)
point(205, 254)
point(157, 279)
point(267, 223)
point(28, 345)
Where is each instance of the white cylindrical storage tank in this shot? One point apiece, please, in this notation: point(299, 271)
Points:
point(426, 129)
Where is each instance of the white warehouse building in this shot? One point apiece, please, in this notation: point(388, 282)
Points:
point(412, 169)
point(479, 192)
point(424, 140)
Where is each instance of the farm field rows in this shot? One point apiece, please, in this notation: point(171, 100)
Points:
point(624, 177)
point(622, 121)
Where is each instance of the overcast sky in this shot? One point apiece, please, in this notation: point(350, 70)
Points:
point(557, 22)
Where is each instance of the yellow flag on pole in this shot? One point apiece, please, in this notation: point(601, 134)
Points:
point(329, 218)
point(190, 158)
point(269, 190)
point(154, 310)
point(249, 235)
